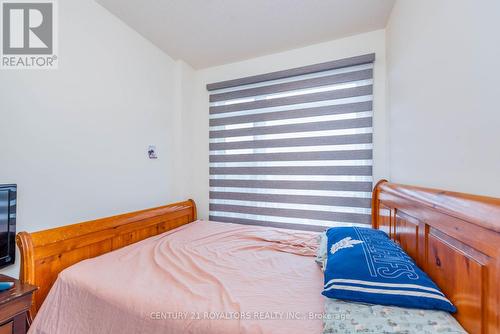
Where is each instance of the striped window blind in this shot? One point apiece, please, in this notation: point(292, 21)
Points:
point(293, 148)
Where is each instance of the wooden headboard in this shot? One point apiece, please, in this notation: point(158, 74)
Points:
point(46, 253)
point(455, 239)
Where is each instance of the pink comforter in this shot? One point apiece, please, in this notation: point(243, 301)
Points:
point(204, 277)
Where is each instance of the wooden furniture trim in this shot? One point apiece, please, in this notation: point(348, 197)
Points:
point(14, 305)
point(45, 254)
point(455, 239)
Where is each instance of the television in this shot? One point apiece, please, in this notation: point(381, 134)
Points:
point(8, 205)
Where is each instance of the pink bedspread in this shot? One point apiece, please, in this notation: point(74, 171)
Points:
point(203, 277)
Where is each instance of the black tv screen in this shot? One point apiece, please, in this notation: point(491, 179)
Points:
point(8, 204)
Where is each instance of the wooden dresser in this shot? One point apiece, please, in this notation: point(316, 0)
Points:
point(14, 305)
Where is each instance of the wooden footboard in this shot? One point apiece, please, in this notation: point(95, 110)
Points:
point(45, 254)
point(455, 239)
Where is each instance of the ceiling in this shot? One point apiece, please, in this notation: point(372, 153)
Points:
point(206, 33)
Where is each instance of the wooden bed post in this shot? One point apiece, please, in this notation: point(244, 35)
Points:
point(27, 269)
point(195, 213)
point(375, 207)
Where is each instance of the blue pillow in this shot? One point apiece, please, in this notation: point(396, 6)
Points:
point(364, 265)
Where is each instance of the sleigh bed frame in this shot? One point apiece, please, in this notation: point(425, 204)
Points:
point(45, 254)
point(453, 237)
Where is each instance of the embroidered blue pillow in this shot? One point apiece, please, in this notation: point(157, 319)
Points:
point(364, 265)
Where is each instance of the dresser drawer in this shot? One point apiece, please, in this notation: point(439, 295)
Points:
point(6, 328)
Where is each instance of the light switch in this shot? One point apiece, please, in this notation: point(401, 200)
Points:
point(152, 154)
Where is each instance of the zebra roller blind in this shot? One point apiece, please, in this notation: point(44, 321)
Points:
point(293, 148)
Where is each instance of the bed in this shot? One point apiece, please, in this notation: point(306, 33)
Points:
point(449, 235)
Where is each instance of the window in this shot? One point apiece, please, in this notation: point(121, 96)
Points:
point(293, 148)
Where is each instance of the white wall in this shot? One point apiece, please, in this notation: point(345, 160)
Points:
point(75, 139)
point(182, 129)
point(443, 69)
point(197, 114)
